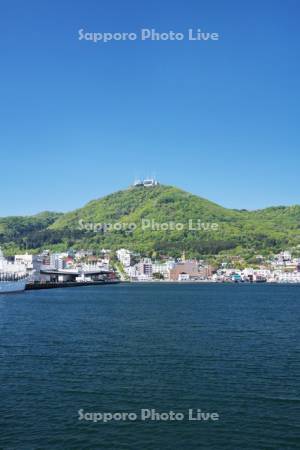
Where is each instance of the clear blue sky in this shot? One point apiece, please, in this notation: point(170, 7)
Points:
point(79, 120)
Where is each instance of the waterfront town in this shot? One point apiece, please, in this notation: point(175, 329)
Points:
point(87, 266)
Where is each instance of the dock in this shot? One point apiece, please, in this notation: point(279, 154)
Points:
point(66, 284)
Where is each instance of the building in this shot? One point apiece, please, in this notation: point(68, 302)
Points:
point(288, 277)
point(147, 182)
point(163, 268)
point(124, 256)
point(81, 254)
point(33, 264)
point(58, 260)
point(144, 267)
point(183, 277)
point(185, 268)
point(132, 272)
point(205, 272)
point(27, 260)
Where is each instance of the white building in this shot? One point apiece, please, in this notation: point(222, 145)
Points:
point(283, 258)
point(124, 256)
point(32, 263)
point(57, 260)
point(132, 272)
point(183, 277)
point(147, 182)
point(26, 259)
point(163, 268)
point(289, 277)
point(82, 254)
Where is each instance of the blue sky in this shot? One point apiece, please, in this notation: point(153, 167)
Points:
point(79, 120)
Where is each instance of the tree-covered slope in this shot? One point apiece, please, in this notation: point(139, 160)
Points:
point(163, 203)
point(215, 229)
point(18, 232)
point(263, 230)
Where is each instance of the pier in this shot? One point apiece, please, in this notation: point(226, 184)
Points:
point(66, 284)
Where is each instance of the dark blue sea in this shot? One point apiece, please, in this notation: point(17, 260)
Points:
point(230, 349)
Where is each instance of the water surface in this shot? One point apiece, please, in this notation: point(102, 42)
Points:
point(233, 349)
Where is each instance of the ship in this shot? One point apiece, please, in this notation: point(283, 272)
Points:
point(13, 277)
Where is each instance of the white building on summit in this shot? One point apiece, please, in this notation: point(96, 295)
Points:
point(147, 182)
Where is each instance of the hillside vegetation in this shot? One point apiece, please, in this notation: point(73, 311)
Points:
point(218, 229)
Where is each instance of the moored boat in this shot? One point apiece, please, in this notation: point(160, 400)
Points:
point(13, 277)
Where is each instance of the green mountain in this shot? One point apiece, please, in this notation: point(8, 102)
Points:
point(132, 218)
point(15, 230)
